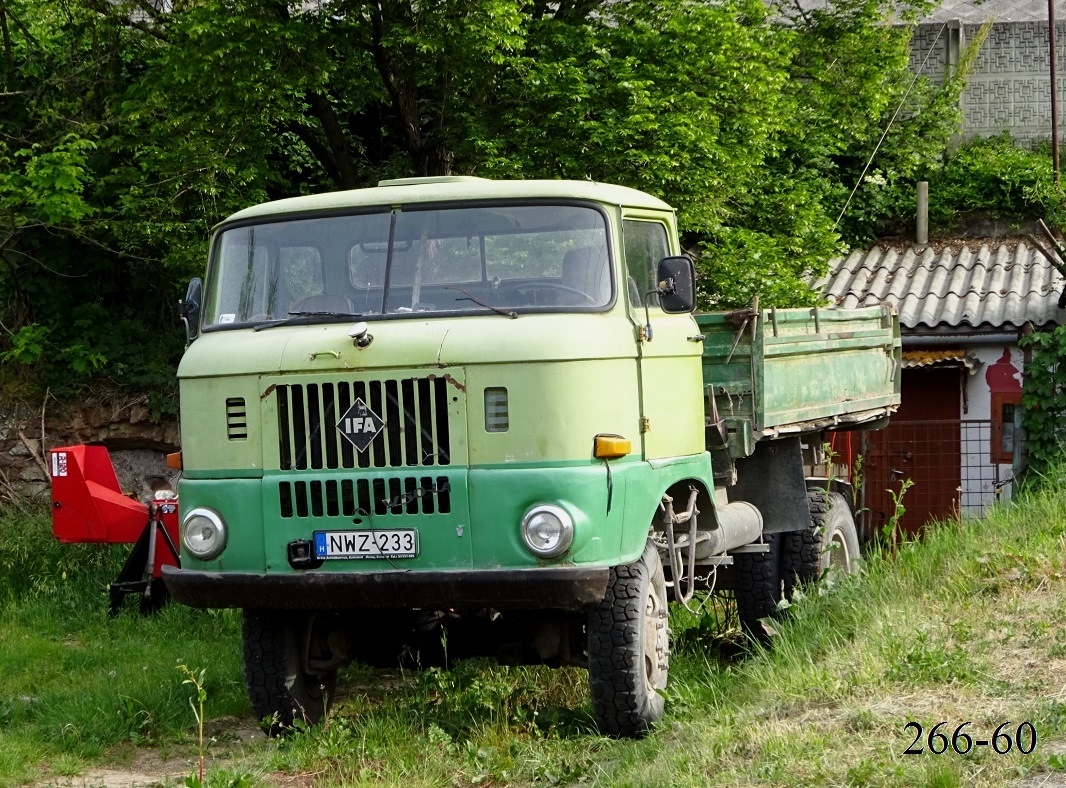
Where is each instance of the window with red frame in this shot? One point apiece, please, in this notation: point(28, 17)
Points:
point(1003, 407)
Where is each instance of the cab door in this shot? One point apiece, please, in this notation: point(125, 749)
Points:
point(669, 354)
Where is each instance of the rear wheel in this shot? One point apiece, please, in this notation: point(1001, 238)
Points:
point(840, 540)
point(828, 548)
point(801, 551)
point(759, 590)
point(629, 648)
point(280, 689)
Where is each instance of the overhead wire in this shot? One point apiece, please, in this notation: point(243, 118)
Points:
point(888, 128)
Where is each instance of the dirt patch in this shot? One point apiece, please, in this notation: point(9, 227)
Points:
point(1043, 778)
point(147, 771)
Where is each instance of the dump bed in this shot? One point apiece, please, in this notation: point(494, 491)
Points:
point(787, 371)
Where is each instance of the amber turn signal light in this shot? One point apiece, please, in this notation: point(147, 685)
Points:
point(611, 447)
point(174, 460)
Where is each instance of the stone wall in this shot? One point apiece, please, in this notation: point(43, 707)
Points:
point(138, 446)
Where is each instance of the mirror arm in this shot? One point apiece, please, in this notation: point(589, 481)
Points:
point(647, 315)
point(189, 309)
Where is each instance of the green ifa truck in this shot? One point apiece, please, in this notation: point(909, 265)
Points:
point(486, 409)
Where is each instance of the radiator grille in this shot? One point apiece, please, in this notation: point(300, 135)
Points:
point(415, 411)
point(351, 497)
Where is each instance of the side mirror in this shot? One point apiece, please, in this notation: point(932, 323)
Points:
point(677, 284)
point(189, 308)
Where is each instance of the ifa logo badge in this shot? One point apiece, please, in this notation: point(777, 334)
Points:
point(360, 425)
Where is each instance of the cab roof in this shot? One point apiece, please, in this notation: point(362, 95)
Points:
point(407, 191)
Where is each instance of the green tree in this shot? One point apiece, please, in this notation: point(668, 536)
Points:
point(126, 132)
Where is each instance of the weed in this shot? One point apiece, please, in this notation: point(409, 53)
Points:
point(225, 778)
point(890, 530)
point(856, 479)
point(137, 720)
point(923, 660)
point(474, 693)
point(197, 705)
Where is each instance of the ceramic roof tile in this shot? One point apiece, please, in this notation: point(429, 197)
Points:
point(1001, 287)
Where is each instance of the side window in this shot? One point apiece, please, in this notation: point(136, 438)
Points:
point(644, 243)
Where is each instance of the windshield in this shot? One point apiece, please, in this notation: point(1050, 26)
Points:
point(508, 259)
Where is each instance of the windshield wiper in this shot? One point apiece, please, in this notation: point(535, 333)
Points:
point(297, 318)
point(469, 297)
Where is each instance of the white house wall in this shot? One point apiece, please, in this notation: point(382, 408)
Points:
point(978, 408)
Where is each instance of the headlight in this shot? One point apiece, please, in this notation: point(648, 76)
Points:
point(203, 533)
point(547, 530)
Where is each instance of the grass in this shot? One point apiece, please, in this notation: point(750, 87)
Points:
point(962, 627)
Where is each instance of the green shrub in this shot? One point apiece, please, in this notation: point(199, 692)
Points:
point(997, 177)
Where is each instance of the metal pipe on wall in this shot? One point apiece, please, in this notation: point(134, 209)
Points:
point(960, 340)
point(921, 234)
point(1054, 90)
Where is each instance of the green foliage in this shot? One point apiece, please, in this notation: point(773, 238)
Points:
point(995, 176)
point(46, 184)
point(469, 696)
point(122, 143)
point(1044, 398)
point(27, 344)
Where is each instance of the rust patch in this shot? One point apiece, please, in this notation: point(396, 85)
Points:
point(451, 380)
point(268, 392)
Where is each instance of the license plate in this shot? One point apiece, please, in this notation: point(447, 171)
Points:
point(382, 543)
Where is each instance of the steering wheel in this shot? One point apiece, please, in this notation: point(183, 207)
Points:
point(556, 286)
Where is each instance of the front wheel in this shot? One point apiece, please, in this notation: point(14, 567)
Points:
point(629, 648)
point(281, 691)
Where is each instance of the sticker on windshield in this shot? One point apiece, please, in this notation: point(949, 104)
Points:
point(360, 425)
point(229, 317)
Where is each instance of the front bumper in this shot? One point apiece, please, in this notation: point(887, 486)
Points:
point(555, 588)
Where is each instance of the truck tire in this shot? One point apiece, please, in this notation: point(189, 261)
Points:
point(759, 589)
point(801, 551)
point(629, 648)
point(839, 552)
point(278, 688)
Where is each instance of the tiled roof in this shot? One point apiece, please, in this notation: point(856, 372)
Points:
point(932, 358)
point(988, 288)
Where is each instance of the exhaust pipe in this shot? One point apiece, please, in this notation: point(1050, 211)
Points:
point(739, 523)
